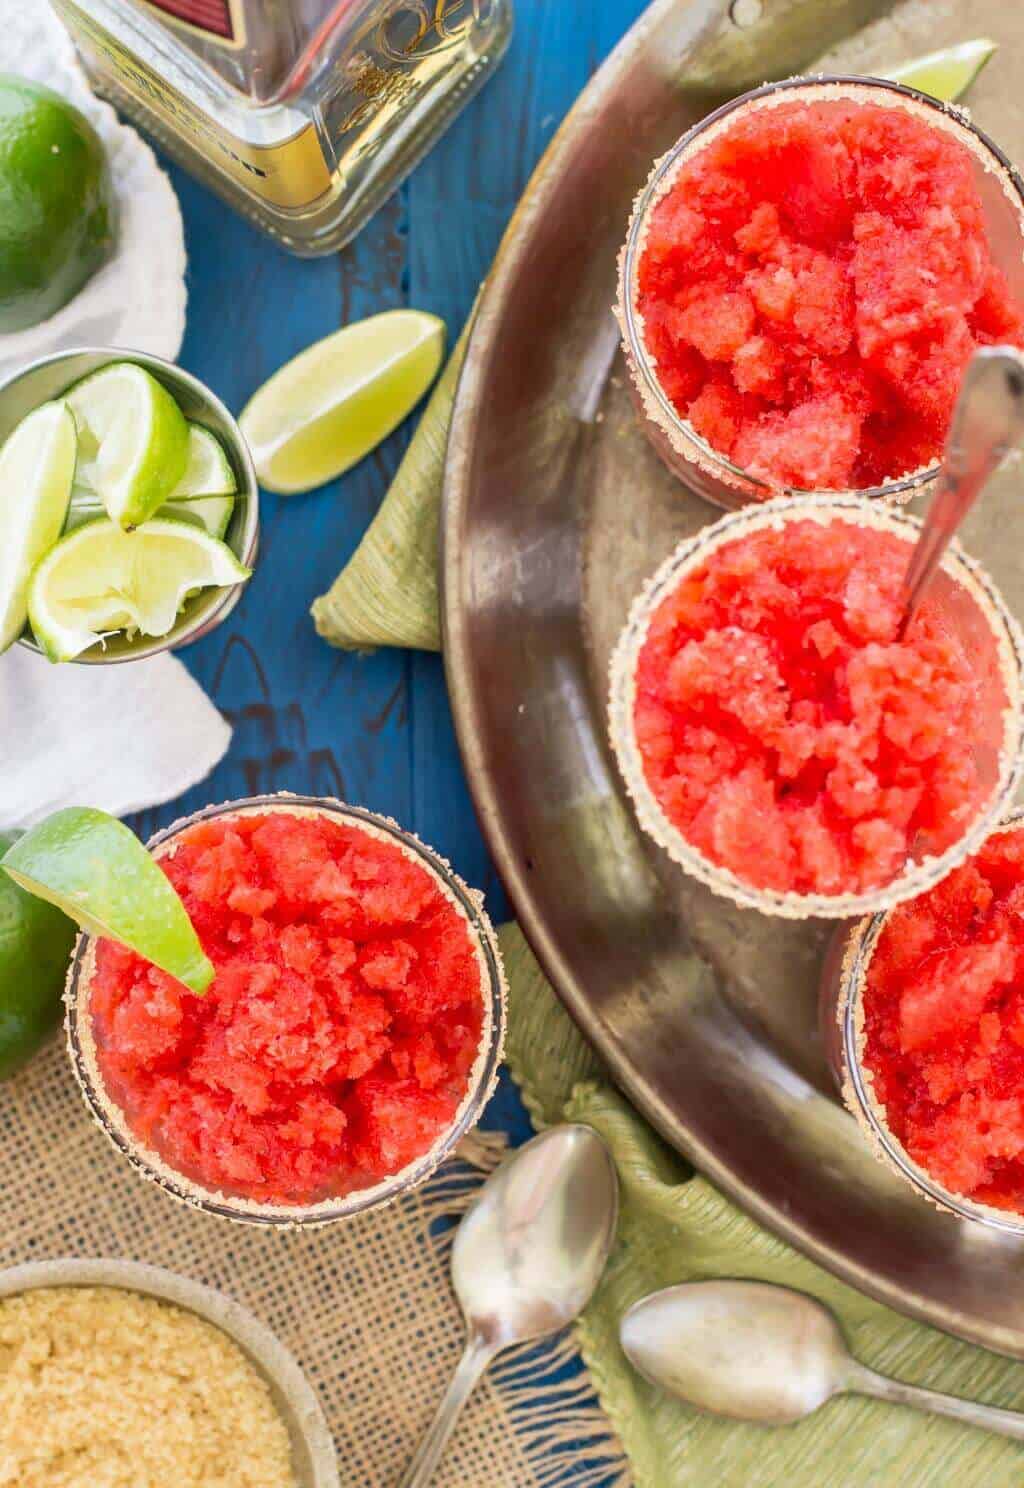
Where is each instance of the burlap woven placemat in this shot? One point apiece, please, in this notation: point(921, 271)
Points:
point(366, 1306)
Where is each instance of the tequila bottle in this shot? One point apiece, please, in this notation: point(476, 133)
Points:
point(304, 114)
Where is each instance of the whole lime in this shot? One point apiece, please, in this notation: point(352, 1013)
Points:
point(35, 945)
point(57, 205)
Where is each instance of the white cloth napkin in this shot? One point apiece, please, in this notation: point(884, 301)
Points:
point(118, 737)
point(136, 735)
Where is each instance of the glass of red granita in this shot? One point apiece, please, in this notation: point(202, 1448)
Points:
point(778, 738)
point(806, 275)
point(922, 1019)
point(350, 1038)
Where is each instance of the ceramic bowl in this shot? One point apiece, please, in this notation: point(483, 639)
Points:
point(313, 1457)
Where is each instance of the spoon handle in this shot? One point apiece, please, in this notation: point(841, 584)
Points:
point(988, 1417)
point(988, 422)
point(471, 1366)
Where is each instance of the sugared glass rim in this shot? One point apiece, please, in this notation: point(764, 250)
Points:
point(681, 434)
point(858, 1082)
point(483, 1077)
point(856, 511)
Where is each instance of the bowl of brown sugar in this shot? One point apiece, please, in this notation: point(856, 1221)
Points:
point(118, 1373)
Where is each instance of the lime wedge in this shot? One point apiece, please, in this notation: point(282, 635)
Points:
point(132, 441)
point(208, 471)
point(946, 74)
point(326, 409)
point(37, 463)
point(203, 496)
point(205, 493)
point(99, 579)
point(96, 870)
point(211, 513)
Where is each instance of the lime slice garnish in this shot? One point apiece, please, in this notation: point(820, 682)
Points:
point(132, 441)
point(96, 870)
point(37, 463)
point(205, 493)
point(99, 579)
point(326, 409)
point(946, 74)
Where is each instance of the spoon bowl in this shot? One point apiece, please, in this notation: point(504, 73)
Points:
point(738, 1348)
point(526, 1260)
point(763, 1353)
point(532, 1248)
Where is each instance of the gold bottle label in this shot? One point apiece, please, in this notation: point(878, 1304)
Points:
point(290, 174)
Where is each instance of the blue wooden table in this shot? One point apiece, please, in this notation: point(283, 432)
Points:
point(375, 731)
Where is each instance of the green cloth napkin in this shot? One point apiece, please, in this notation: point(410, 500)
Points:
point(675, 1226)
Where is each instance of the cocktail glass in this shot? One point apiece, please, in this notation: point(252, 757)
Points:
point(841, 1016)
point(689, 456)
point(971, 608)
point(149, 1163)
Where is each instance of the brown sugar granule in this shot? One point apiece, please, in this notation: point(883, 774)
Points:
point(104, 1386)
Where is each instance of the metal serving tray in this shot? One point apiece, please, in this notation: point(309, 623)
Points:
point(555, 510)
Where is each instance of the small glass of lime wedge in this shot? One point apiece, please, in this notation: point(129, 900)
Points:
point(154, 446)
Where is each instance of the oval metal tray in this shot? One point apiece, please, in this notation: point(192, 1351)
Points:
point(555, 510)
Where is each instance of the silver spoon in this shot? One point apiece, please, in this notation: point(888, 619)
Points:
point(763, 1353)
point(988, 421)
point(526, 1260)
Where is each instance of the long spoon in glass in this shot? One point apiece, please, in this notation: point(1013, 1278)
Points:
point(988, 422)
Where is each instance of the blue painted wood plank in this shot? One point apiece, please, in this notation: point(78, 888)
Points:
point(306, 718)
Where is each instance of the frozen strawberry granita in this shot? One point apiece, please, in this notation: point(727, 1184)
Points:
point(337, 1040)
point(943, 1026)
point(811, 285)
point(782, 729)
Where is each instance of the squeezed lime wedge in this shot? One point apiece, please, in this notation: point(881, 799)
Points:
point(946, 74)
point(333, 403)
point(99, 579)
point(96, 870)
point(37, 463)
point(133, 441)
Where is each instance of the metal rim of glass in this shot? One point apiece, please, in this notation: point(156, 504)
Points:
point(211, 607)
point(107, 1113)
point(854, 509)
point(856, 961)
point(900, 489)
